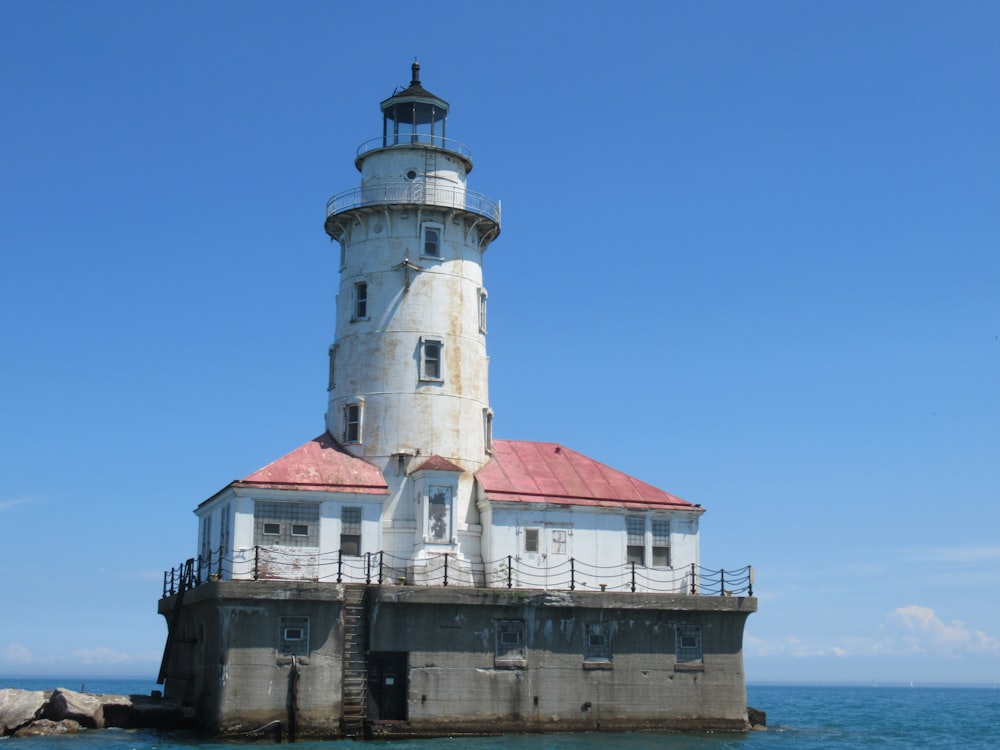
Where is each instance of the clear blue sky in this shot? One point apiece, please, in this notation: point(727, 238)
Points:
point(749, 255)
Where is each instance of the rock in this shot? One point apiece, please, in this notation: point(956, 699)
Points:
point(84, 708)
point(19, 707)
point(45, 727)
point(757, 718)
point(117, 711)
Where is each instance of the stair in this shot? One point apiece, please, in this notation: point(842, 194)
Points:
point(354, 685)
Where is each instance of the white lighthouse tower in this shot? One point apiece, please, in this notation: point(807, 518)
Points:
point(408, 388)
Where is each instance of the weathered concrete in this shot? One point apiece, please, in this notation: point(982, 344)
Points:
point(19, 707)
point(227, 662)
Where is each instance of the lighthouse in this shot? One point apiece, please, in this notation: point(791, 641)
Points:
point(406, 574)
point(408, 381)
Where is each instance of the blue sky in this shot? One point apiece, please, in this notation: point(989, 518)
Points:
point(749, 255)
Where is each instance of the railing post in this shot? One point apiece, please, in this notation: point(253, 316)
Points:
point(381, 562)
point(368, 567)
point(256, 562)
point(445, 568)
point(722, 581)
point(510, 571)
point(749, 580)
point(633, 576)
point(340, 565)
point(572, 575)
point(694, 589)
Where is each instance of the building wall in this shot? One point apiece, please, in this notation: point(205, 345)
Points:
point(228, 661)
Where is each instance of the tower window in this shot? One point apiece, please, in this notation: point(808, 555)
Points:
point(361, 300)
point(635, 530)
point(431, 240)
point(661, 543)
point(488, 429)
point(350, 531)
point(352, 422)
point(482, 310)
point(430, 359)
point(333, 359)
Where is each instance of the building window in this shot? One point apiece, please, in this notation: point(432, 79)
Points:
point(293, 636)
point(343, 254)
point(689, 644)
point(439, 515)
point(509, 643)
point(635, 530)
point(430, 239)
point(360, 301)
point(482, 310)
point(206, 539)
point(331, 384)
point(597, 641)
point(661, 543)
point(350, 531)
point(430, 359)
point(488, 430)
point(286, 524)
point(531, 540)
point(558, 542)
point(352, 422)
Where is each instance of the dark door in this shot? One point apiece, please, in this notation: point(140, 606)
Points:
point(387, 686)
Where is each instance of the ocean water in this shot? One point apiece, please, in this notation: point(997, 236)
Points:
point(799, 718)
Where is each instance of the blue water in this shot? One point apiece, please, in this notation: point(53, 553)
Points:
point(798, 717)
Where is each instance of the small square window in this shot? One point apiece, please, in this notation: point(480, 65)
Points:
point(293, 636)
point(272, 529)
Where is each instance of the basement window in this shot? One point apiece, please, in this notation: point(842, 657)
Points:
point(689, 649)
point(597, 642)
point(509, 644)
point(293, 636)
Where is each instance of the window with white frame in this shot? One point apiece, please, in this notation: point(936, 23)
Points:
point(597, 641)
point(350, 531)
point(661, 542)
point(635, 531)
point(431, 367)
point(351, 432)
point(293, 636)
point(439, 514)
point(430, 239)
point(688, 644)
point(360, 301)
point(509, 649)
point(206, 539)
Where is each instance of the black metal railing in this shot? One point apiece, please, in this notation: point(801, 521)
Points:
point(380, 568)
point(428, 191)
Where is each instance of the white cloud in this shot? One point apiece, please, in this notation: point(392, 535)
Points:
point(6, 505)
point(18, 654)
point(101, 656)
point(923, 630)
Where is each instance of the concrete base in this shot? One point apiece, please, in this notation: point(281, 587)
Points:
point(404, 661)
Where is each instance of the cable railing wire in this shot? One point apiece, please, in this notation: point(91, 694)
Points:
point(383, 568)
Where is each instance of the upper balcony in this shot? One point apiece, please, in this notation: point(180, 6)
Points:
point(422, 191)
point(411, 139)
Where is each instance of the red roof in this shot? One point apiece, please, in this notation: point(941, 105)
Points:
point(527, 472)
point(437, 463)
point(320, 465)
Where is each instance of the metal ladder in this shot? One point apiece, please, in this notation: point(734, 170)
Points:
point(354, 684)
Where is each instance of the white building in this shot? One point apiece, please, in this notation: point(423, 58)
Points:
point(407, 483)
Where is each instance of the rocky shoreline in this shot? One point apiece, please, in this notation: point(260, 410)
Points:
point(32, 713)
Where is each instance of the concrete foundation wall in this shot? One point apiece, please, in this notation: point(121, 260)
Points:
point(227, 661)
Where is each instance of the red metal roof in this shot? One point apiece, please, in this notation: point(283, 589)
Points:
point(437, 463)
point(320, 465)
point(528, 472)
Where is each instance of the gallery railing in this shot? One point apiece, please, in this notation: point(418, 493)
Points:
point(382, 568)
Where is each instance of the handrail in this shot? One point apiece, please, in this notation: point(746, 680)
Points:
point(382, 568)
point(406, 140)
point(428, 192)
